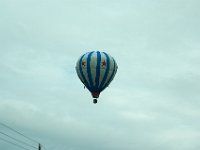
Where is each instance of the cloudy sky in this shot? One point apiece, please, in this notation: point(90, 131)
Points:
point(153, 102)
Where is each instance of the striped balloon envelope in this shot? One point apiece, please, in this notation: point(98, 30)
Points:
point(96, 70)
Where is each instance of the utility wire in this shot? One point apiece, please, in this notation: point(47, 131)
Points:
point(44, 147)
point(18, 140)
point(19, 133)
point(13, 143)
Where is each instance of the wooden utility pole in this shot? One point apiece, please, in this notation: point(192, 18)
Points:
point(39, 146)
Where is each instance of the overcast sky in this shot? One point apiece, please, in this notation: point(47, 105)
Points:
point(153, 102)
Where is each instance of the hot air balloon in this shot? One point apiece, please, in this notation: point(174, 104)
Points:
point(96, 70)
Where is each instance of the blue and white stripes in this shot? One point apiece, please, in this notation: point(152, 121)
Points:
point(96, 70)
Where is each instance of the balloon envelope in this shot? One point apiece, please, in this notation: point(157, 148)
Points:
point(96, 70)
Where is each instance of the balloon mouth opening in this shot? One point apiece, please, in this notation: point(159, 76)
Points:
point(95, 94)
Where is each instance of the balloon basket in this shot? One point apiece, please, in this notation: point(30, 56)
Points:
point(94, 101)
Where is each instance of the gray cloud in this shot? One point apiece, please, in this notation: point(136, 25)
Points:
point(151, 104)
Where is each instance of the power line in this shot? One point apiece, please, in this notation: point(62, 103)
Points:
point(13, 143)
point(6, 126)
point(44, 147)
point(19, 133)
point(18, 140)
